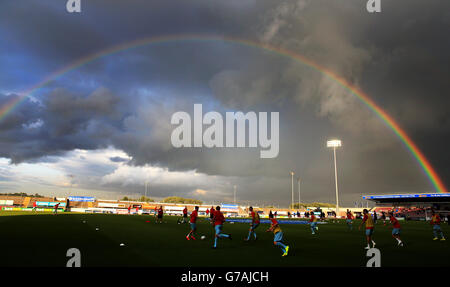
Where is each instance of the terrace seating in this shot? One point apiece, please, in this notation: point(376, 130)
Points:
point(79, 204)
point(26, 201)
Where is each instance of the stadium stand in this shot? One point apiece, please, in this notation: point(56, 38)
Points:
point(413, 206)
point(26, 201)
point(93, 205)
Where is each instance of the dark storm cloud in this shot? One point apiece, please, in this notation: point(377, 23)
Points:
point(44, 28)
point(21, 115)
point(61, 122)
point(399, 57)
point(68, 114)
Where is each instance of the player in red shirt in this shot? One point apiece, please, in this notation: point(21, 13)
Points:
point(383, 217)
point(254, 224)
point(349, 220)
point(278, 235)
point(160, 214)
point(34, 206)
point(193, 223)
point(218, 225)
point(395, 228)
point(436, 223)
point(211, 214)
point(129, 209)
point(185, 214)
point(55, 211)
point(313, 223)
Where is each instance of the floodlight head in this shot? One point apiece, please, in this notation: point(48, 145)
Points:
point(292, 173)
point(334, 143)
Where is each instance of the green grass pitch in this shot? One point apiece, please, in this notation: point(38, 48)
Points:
point(43, 240)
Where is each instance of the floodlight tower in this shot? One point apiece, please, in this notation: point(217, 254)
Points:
point(71, 183)
point(146, 189)
point(292, 188)
point(334, 144)
point(298, 181)
point(235, 195)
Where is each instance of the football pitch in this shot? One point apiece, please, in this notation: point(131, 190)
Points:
point(43, 240)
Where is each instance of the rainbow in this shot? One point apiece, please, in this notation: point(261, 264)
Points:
point(364, 98)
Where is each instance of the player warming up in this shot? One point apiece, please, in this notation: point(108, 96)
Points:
point(55, 211)
point(211, 215)
point(254, 224)
point(383, 217)
point(436, 223)
point(349, 220)
point(368, 220)
point(185, 214)
point(218, 226)
point(313, 223)
point(193, 224)
point(277, 235)
point(160, 215)
point(396, 228)
point(184, 218)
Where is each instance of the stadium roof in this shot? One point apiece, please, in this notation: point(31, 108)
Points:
point(412, 198)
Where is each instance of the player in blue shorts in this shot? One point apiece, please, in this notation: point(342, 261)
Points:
point(349, 220)
point(313, 223)
point(396, 228)
point(254, 224)
point(436, 223)
point(193, 223)
point(219, 219)
point(277, 235)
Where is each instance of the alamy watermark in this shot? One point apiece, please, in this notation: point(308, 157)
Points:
point(373, 6)
point(74, 6)
point(375, 260)
point(213, 135)
point(75, 257)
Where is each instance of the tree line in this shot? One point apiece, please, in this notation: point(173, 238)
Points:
point(170, 199)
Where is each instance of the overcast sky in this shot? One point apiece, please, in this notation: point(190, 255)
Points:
point(104, 129)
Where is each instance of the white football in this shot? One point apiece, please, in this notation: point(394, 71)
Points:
point(203, 237)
